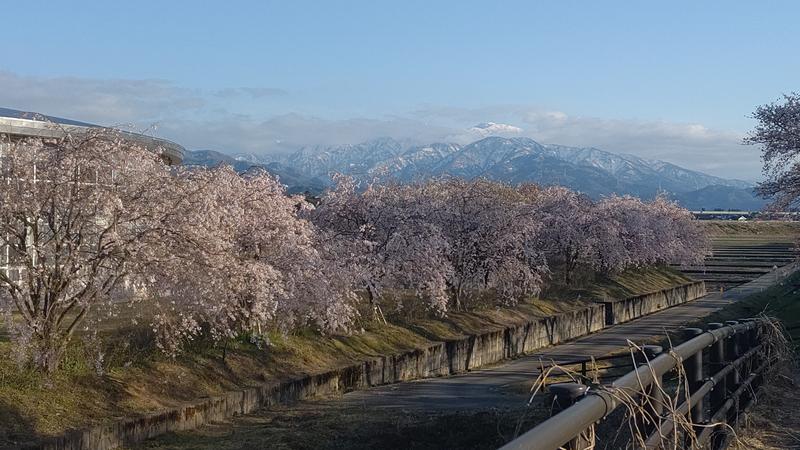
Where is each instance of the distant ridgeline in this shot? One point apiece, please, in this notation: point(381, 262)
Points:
point(592, 171)
point(513, 160)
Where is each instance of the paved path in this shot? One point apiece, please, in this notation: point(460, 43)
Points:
point(484, 388)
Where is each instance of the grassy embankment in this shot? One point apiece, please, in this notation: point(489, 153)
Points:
point(773, 423)
point(137, 379)
point(718, 230)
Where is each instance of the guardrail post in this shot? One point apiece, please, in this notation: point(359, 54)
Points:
point(732, 381)
point(750, 340)
point(566, 394)
point(719, 393)
point(693, 366)
point(745, 344)
point(758, 359)
point(653, 398)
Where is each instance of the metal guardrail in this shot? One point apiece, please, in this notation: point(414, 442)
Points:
point(587, 369)
point(735, 366)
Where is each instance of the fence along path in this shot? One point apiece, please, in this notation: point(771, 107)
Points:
point(739, 353)
point(486, 388)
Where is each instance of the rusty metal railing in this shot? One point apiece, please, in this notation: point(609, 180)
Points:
point(734, 372)
point(587, 369)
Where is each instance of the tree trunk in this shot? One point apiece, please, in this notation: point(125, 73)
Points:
point(377, 313)
point(459, 292)
point(46, 352)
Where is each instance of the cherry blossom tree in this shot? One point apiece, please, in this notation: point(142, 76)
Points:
point(638, 234)
point(244, 262)
point(778, 133)
point(93, 222)
point(615, 233)
point(679, 238)
point(77, 216)
point(384, 235)
point(625, 237)
point(568, 235)
point(488, 226)
point(447, 240)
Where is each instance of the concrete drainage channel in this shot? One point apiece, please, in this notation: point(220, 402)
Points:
point(440, 359)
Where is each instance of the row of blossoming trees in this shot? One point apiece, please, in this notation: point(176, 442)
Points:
point(449, 240)
point(90, 224)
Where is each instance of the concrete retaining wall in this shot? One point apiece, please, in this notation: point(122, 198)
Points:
point(439, 359)
point(623, 310)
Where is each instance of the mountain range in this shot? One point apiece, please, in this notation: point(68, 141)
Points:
point(592, 171)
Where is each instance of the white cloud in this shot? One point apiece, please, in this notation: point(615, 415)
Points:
point(288, 132)
point(688, 144)
point(494, 129)
point(203, 119)
point(556, 115)
point(114, 101)
point(252, 92)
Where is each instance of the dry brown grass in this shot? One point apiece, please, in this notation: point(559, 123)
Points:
point(773, 423)
point(752, 229)
point(329, 426)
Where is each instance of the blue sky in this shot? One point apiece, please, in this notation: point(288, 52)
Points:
point(670, 80)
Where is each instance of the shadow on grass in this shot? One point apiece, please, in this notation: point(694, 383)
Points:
point(16, 432)
point(329, 427)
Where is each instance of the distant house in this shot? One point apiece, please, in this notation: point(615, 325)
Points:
point(719, 214)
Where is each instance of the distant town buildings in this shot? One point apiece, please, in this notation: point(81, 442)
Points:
point(746, 215)
point(16, 125)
